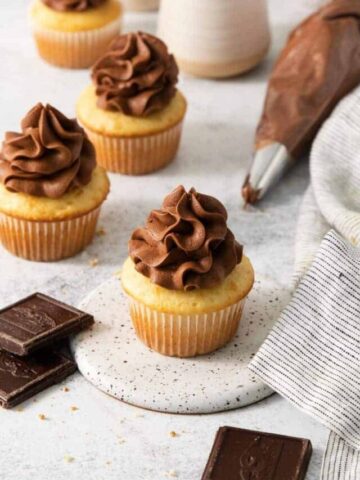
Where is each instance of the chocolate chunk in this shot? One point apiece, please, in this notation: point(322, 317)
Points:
point(21, 378)
point(240, 454)
point(38, 321)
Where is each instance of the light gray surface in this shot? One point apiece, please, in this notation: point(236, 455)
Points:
point(105, 438)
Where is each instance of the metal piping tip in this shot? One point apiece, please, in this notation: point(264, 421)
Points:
point(268, 166)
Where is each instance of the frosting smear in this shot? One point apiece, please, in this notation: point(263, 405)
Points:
point(50, 156)
point(136, 76)
point(186, 244)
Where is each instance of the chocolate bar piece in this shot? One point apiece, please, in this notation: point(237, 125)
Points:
point(38, 321)
point(240, 454)
point(21, 378)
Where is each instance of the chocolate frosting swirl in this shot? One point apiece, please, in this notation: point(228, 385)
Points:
point(50, 156)
point(72, 5)
point(136, 76)
point(186, 244)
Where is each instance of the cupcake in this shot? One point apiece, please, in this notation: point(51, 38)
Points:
point(215, 38)
point(133, 112)
point(186, 276)
point(140, 5)
point(74, 33)
point(51, 190)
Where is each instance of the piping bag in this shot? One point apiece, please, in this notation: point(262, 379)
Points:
point(319, 65)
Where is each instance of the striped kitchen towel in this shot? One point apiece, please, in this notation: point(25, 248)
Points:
point(341, 462)
point(333, 199)
point(312, 356)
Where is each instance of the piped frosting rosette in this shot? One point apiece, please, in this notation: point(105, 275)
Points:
point(136, 76)
point(73, 5)
point(186, 245)
point(50, 156)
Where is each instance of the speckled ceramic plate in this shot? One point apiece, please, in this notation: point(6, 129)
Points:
point(112, 358)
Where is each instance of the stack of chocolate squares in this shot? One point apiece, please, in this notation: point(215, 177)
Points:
point(31, 339)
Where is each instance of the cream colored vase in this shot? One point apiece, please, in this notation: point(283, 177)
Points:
point(215, 38)
point(140, 5)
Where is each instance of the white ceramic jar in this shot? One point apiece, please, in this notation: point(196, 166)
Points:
point(215, 38)
point(140, 5)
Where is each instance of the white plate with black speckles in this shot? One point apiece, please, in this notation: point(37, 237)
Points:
point(112, 358)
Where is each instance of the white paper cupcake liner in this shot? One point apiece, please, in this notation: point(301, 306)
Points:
point(74, 49)
point(185, 335)
point(136, 155)
point(47, 241)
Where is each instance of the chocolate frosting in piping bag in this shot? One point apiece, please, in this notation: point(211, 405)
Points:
point(50, 156)
point(186, 244)
point(72, 5)
point(136, 76)
point(319, 65)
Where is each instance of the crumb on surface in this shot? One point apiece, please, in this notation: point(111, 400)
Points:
point(74, 408)
point(93, 262)
point(66, 389)
point(101, 232)
point(20, 409)
point(174, 434)
point(69, 458)
point(171, 474)
point(42, 416)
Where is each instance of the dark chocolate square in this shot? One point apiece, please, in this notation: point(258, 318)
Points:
point(240, 454)
point(21, 378)
point(38, 321)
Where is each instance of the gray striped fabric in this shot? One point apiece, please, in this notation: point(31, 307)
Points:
point(311, 229)
point(312, 356)
point(332, 201)
point(341, 462)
